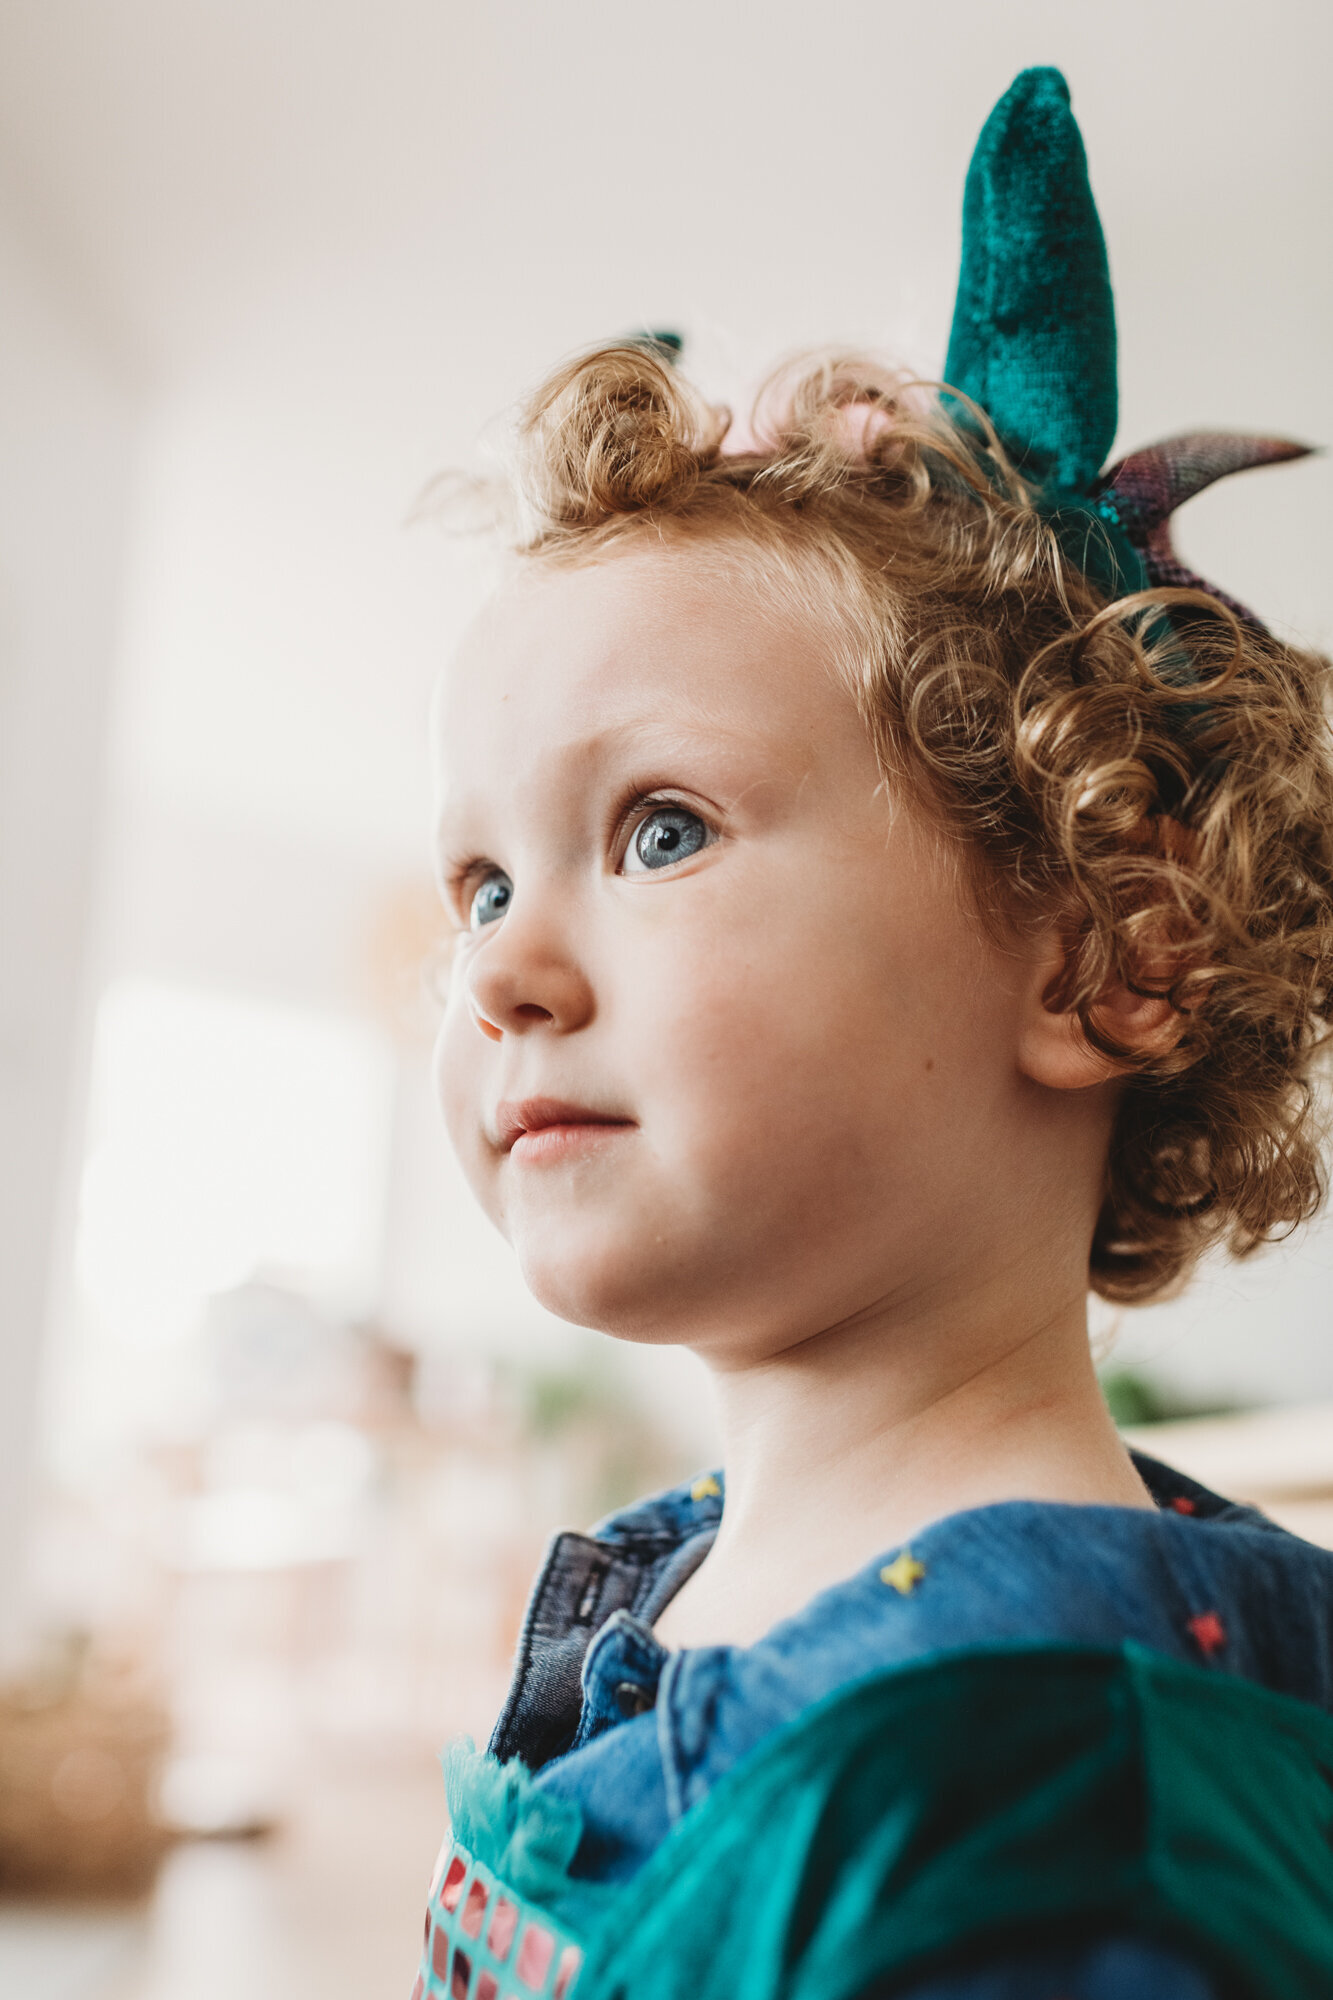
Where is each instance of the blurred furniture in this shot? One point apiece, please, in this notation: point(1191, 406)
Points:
point(81, 1749)
point(1279, 1460)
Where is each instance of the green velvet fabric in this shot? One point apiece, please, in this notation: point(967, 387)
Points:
point(981, 1797)
point(1033, 338)
point(1093, 537)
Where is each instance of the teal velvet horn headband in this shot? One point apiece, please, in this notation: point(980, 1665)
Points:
point(1034, 344)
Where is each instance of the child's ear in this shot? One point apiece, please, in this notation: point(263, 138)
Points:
point(1054, 1048)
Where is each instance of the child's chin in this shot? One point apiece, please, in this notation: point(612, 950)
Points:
point(612, 1291)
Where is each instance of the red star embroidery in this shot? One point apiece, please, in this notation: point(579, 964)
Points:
point(1183, 1504)
point(1208, 1632)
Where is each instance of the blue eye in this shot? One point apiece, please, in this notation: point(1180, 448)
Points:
point(492, 899)
point(668, 835)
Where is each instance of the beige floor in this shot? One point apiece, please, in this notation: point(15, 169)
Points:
point(331, 1907)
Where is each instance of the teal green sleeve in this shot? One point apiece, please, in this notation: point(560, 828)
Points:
point(987, 1796)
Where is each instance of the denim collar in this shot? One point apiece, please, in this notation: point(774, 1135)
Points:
point(587, 1657)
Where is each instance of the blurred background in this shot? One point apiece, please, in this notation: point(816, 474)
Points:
point(281, 1435)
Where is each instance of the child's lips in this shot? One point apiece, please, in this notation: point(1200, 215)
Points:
point(549, 1128)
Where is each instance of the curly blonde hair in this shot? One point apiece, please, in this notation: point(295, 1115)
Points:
point(1152, 773)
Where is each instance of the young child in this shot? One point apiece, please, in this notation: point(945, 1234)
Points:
point(893, 896)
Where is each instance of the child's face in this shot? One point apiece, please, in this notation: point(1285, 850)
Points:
point(697, 911)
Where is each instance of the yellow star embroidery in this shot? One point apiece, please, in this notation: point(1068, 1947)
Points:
point(903, 1574)
point(706, 1488)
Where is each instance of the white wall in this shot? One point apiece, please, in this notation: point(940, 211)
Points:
point(65, 484)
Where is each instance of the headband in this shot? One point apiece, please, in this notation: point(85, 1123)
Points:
point(1034, 344)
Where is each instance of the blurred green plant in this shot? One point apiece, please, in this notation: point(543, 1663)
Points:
point(585, 1409)
point(1135, 1397)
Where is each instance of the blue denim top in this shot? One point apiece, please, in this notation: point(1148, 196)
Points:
point(634, 1734)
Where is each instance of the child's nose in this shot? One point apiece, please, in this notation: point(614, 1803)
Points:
point(519, 981)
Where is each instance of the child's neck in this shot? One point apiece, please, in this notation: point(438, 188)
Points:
point(847, 1444)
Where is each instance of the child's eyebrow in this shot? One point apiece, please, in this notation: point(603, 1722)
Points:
point(657, 736)
point(647, 751)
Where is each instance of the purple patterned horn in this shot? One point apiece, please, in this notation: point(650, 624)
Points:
point(1148, 486)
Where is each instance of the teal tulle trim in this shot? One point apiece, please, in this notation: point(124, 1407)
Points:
point(524, 1836)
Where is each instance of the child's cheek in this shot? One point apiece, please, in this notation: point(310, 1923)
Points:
point(459, 1064)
